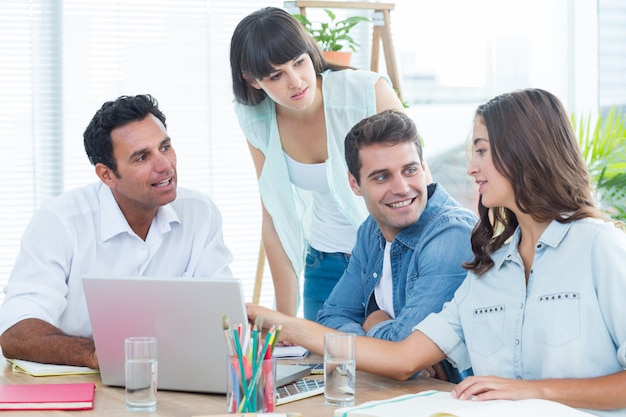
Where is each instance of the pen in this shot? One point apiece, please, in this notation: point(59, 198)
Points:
point(241, 368)
point(255, 360)
point(227, 338)
point(276, 335)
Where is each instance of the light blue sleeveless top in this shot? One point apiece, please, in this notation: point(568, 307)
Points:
point(349, 97)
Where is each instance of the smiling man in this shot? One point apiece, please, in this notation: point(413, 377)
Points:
point(134, 221)
point(406, 262)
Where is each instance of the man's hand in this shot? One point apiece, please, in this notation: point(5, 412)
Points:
point(93, 361)
point(373, 319)
point(437, 371)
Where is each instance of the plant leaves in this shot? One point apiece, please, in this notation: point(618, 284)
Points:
point(603, 146)
point(332, 35)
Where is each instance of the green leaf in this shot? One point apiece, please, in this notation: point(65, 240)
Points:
point(332, 35)
point(603, 146)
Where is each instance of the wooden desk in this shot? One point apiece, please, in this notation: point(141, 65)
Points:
point(110, 401)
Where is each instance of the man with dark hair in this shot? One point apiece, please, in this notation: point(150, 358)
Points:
point(134, 221)
point(406, 262)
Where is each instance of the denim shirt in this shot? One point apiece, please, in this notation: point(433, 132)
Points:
point(567, 322)
point(426, 260)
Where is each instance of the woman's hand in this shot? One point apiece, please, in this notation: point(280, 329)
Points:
point(269, 317)
point(495, 388)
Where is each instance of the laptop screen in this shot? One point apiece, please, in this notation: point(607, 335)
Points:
point(184, 314)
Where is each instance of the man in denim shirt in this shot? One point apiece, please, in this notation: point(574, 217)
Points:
point(406, 262)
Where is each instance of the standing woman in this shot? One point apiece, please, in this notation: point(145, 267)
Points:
point(295, 110)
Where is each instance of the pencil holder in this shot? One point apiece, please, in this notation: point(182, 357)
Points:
point(251, 386)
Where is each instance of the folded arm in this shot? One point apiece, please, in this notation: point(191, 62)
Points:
point(38, 341)
point(443, 248)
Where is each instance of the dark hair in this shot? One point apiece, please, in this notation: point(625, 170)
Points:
point(389, 127)
point(267, 37)
point(533, 145)
point(112, 114)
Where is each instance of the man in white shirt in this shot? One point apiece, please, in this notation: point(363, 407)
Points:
point(133, 222)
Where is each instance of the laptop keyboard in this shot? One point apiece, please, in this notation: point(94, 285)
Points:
point(298, 390)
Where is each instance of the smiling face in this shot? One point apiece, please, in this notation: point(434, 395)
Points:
point(292, 84)
point(145, 178)
point(495, 188)
point(393, 185)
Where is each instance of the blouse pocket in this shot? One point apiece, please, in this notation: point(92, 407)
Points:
point(558, 318)
point(487, 329)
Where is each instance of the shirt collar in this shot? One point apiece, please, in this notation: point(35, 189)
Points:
point(552, 236)
point(113, 222)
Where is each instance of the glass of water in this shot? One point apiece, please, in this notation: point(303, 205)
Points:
point(141, 373)
point(339, 368)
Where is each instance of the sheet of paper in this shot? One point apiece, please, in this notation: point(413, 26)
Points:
point(437, 403)
point(287, 352)
point(46, 369)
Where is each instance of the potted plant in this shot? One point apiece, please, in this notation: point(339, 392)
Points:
point(333, 36)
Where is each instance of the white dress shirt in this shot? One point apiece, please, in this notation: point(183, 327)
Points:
point(83, 232)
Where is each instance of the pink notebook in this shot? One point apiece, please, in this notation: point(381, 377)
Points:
point(78, 396)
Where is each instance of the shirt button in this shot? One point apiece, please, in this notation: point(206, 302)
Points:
point(375, 275)
point(539, 246)
point(521, 305)
point(517, 341)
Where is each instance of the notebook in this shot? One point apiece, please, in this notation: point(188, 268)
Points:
point(184, 314)
point(438, 403)
point(77, 396)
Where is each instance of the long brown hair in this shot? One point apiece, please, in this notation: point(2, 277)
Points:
point(533, 145)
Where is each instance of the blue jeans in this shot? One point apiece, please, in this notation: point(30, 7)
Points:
point(321, 273)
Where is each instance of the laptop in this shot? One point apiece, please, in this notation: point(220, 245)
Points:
point(184, 314)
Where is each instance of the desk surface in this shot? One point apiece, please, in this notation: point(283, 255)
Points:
point(110, 401)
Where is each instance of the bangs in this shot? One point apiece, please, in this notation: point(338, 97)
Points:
point(269, 46)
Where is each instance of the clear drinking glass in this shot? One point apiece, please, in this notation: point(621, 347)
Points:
point(141, 373)
point(339, 368)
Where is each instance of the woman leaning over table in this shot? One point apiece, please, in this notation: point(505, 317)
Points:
point(295, 110)
point(540, 314)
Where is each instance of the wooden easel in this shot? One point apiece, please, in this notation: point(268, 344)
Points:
point(382, 31)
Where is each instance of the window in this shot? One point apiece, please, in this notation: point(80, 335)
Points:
point(61, 60)
point(612, 53)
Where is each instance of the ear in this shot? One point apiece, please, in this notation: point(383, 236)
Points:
point(250, 81)
point(106, 175)
point(427, 174)
point(354, 184)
